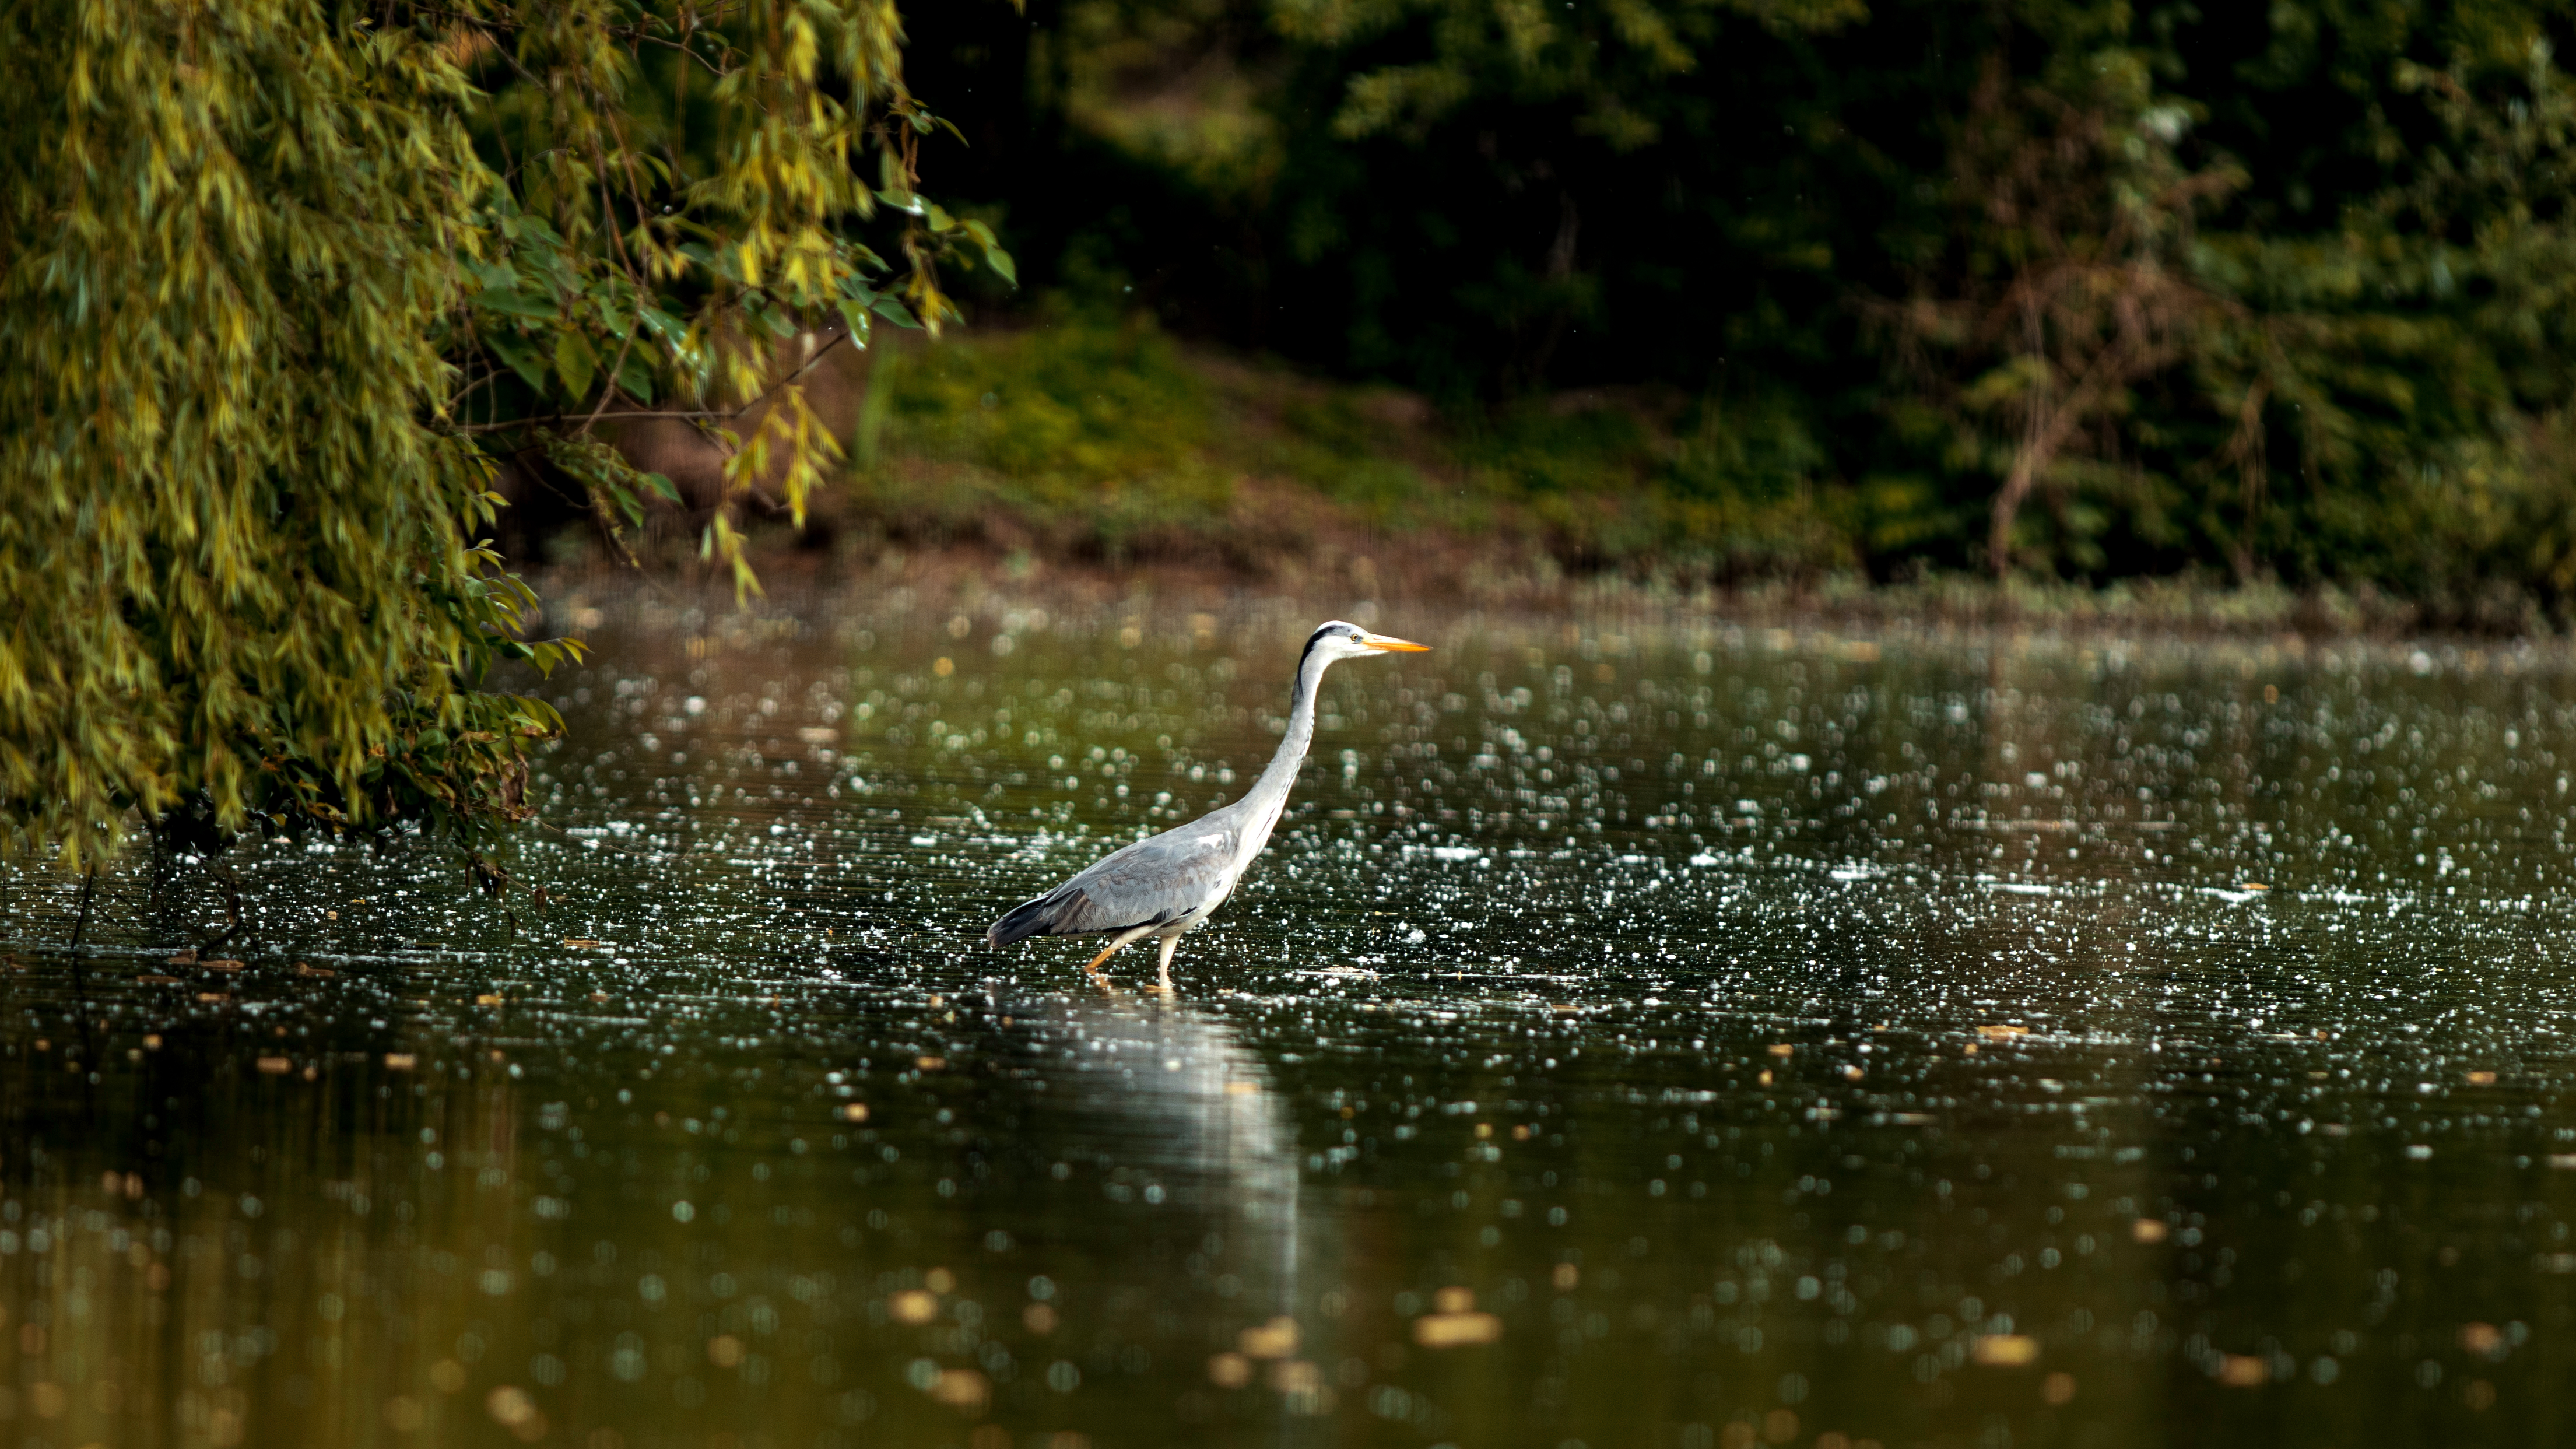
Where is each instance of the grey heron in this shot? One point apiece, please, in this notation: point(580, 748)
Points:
point(1166, 884)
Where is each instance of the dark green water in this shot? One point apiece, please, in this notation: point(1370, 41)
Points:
point(1675, 1037)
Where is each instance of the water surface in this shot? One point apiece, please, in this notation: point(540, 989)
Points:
point(1681, 1035)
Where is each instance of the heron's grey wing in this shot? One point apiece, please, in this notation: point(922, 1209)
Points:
point(1154, 881)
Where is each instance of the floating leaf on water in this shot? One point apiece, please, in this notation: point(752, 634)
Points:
point(400, 1061)
point(275, 1066)
point(930, 1064)
point(2004, 1350)
point(1456, 1330)
point(580, 943)
point(2148, 1230)
point(2482, 1079)
point(2243, 1371)
point(513, 1410)
point(912, 1305)
point(2001, 1032)
point(1275, 1339)
point(221, 965)
point(854, 1111)
point(1296, 1376)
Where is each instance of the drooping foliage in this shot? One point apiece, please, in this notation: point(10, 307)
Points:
point(283, 279)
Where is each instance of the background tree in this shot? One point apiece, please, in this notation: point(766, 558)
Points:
point(2338, 360)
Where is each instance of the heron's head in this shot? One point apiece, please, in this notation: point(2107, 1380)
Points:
point(1338, 640)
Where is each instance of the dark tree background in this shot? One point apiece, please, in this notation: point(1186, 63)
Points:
point(2258, 291)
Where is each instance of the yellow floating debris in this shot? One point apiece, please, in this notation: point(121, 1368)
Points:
point(2482, 1079)
point(583, 943)
point(854, 1112)
point(400, 1061)
point(912, 1305)
point(2148, 1230)
point(275, 1066)
point(1453, 1321)
point(1999, 1032)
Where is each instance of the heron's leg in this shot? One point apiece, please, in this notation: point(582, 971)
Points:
point(1118, 943)
point(1163, 973)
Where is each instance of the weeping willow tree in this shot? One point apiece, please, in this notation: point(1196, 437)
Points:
point(276, 275)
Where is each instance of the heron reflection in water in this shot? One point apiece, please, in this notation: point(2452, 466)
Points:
point(1166, 885)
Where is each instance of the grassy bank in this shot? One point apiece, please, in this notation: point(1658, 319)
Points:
point(1110, 446)
point(1115, 456)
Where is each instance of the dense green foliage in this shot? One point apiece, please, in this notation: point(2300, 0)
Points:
point(2088, 288)
point(284, 280)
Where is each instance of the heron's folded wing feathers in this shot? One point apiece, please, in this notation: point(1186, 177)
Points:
point(1154, 881)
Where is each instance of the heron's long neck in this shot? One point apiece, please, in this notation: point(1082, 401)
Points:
point(1275, 782)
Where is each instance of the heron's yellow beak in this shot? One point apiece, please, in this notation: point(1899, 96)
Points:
point(1394, 646)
